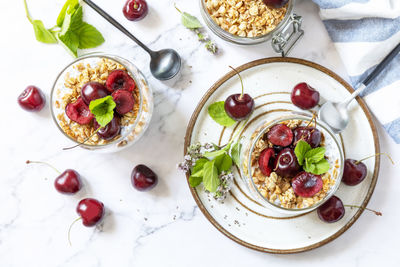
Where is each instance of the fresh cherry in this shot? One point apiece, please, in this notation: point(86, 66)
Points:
point(280, 135)
point(143, 178)
point(92, 91)
point(79, 112)
point(32, 99)
point(304, 96)
point(91, 211)
point(239, 106)
point(111, 130)
point(286, 164)
point(135, 9)
point(332, 210)
point(275, 3)
point(124, 100)
point(120, 80)
point(69, 182)
point(354, 172)
point(266, 161)
point(306, 184)
point(309, 134)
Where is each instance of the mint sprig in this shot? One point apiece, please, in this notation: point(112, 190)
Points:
point(103, 110)
point(218, 114)
point(312, 159)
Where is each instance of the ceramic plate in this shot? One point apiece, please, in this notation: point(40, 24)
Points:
point(242, 218)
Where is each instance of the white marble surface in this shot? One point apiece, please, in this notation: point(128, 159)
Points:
point(163, 227)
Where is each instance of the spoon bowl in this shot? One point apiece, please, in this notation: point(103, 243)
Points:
point(165, 64)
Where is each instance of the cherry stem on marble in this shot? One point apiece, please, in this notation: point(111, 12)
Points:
point(69, 230)
point(42, 162)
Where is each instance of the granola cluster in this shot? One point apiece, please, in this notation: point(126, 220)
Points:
point(88, 73)
point(245, 18)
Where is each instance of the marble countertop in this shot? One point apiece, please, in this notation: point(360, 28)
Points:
point(163, 227)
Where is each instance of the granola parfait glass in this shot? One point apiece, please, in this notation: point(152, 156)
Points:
point(97, 67)
point(259, 186)
point(251, 22)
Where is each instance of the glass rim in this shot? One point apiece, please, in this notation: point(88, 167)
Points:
point(117, 59)
point(299, 116)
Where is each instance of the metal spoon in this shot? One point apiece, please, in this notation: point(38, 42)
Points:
point(164, 64)
point(336, 114)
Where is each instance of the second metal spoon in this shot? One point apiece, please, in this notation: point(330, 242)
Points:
point(164, 64)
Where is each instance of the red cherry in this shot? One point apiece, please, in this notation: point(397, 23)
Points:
point(286, 164)
point(79, 112)
point(143, 178)
point(92, 91)
point(111, 130)
point(239, 107)
point(91, 211)
point(120, 80)
point(266, 161)
point(280, 135)
point(275, 3)
point(306, 184)
point(124, 100)
point(304, 96)
point(354, 172)
point(309, 134)
point(332, 210)
point(135, 10)
point(69, 182)
point(32, 99)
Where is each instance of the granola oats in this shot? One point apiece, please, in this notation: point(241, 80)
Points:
point(245, 18)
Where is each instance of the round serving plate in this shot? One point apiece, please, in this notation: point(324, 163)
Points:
point(240, 217)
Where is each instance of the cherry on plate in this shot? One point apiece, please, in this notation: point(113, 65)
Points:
point(135, 10)
point(286, 164)
point(275, 3)
point(120, 80)
point(306, 184)
point(304, 96)
point(143, 178)
point(91, 211)
point(32, 99)
point(124, 100)
point(92, 91)
point(69, 182)
point(309, 134)
point(354, 172)
point(332, 210)
point(266, 161)
point(239, 107)
point(111, 130)
point(280, 135)
point(79, 112)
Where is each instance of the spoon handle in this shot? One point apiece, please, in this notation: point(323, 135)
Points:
point(117, 24)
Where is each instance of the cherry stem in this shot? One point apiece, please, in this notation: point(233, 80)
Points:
point(42, 162)
point(377, 213)
point(177, 8)
point(241, 81)
point(313, 119)
point(377, 154)
point(69, 230)
point(84, 141)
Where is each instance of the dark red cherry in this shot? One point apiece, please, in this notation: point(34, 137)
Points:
point(280, 135)
point(111, 130)
point(124, 100)
point(32, 99)
point(135, 9)
point(92, 91)
point(239, 107)
point(306, 184)
point(304, 96)
point(69, 182)
point(79, 112)
point(309, 134)
point(143, 178)
point(354, 172)
point(275, 3)
point(91, 211)
point(120, 80)
point(266, 161)
point(286, 164)
point(332, 210)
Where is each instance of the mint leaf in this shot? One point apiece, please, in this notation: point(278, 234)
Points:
point(69, 6)
point(199, 165)
point(223, 163)
point(315, 155)
point(199, 173)
point(70, 41)
point(89, 36)
point(321, 167)
point(42, 34)
point(217, 153)
point(235, 152)
point(195, 181)
point(103, 110)
point(218, 114)
point(308, 166)
point(300, 150)
point(210, 177)
point(190, 22)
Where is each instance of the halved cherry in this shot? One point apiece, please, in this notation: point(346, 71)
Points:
point(306, 184)
point(79, 112)
point(280, 135)
point(266, 161)
point(124, 100)
point(120, 80)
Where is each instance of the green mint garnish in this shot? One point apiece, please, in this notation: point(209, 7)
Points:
point(218, 114)
point(103, 110)
point(235, 152)
point(312, 159)
point(210, 176)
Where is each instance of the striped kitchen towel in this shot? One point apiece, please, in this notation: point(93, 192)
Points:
point(364, 32)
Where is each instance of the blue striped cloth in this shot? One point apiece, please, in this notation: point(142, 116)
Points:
point(364, 32)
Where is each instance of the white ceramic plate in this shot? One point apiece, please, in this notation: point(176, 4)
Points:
point(240, 217)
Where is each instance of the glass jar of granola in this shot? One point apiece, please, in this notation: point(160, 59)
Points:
point(96, 68)
point(252, 22)
point(277, 191)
